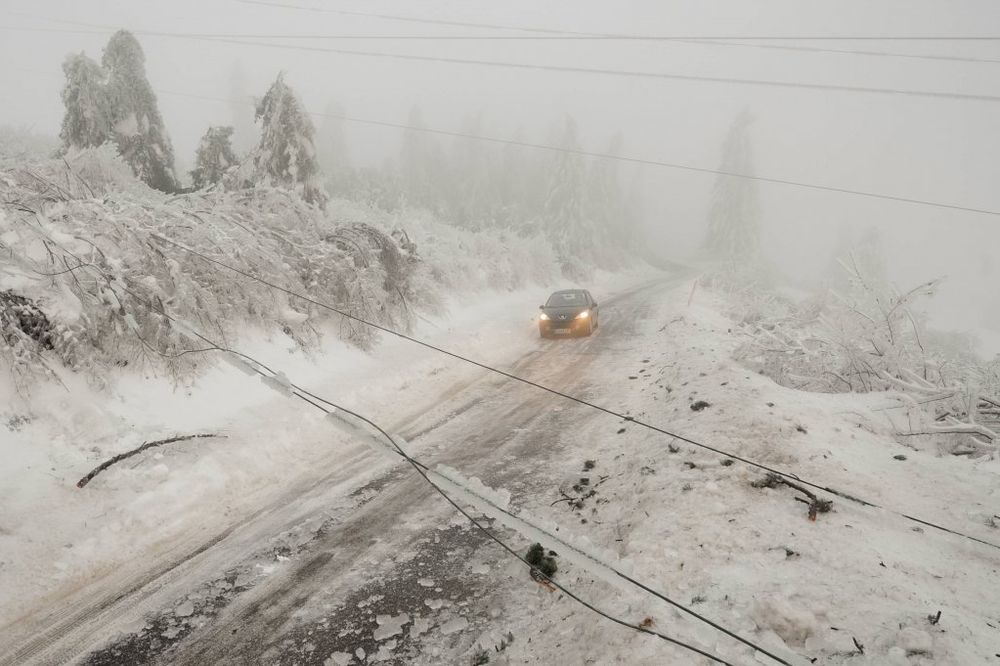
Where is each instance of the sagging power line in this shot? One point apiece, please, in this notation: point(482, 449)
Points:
point(494, 26)
point(569, 69)
point(620, 158)
point(595, 154)
point(510, 38)
point(329, 408)
point(605, 410)
point(598, 71)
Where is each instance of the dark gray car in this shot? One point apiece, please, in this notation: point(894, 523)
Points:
point(568, 312)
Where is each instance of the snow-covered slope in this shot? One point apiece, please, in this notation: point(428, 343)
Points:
point(689, 522)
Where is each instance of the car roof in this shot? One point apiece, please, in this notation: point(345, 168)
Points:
point(569, 291)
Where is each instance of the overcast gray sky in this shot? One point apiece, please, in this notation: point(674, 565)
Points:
point(934, 149)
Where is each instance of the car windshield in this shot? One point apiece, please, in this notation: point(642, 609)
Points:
point(566, 298)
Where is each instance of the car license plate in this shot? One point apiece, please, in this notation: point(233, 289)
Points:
point(561, 330)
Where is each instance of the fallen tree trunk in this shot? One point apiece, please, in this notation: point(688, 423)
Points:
point(128, 454)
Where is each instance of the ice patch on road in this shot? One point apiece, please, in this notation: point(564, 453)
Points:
point(420, 626)
point(186, 609)
point(389, 625)
point(454, 625)
point(338, 659)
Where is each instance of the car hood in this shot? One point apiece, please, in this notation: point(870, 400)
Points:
point(556, 312)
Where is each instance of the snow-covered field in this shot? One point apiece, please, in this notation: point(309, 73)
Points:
point(683, 520)
point(56, 537)
point(689, 523)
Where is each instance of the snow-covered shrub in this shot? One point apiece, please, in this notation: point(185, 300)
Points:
point(101, 268)
point(19, 144)
point(463, 260)
point(26, 333)
point(95, 172)
point(870, 338)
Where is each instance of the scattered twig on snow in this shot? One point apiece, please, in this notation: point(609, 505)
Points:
point(934, 619)
point(128, 454)
point(816, 504)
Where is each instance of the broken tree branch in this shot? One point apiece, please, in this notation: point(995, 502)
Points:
point(128, 454)
point(816, 504)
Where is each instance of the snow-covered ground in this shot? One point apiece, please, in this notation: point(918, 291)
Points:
point(682, 519)
point(688, 521)
point(55, 537)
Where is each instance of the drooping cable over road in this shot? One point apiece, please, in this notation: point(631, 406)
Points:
point(566, 396)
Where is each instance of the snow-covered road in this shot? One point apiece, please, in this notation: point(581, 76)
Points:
point(257, 590)
point(356, 560)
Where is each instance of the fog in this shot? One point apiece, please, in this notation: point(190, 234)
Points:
point(933, 149)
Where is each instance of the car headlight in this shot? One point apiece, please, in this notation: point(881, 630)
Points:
point(583, 315)
point(543, 317)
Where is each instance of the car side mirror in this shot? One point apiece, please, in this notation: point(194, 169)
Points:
point(595, 304)
point(541, 307)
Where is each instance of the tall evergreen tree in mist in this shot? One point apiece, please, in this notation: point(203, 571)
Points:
point(475, 196)
point(606, 204)
point(332, 152)
point(87, 121)
point(734, 213)
point(286, 156)
point(137, 126)
point(564, 213)
point(215, 155)
point(422, 166)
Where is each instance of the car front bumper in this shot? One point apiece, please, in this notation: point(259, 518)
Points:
point(561, 327)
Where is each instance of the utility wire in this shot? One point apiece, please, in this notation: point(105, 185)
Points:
point(671, 76)
point(607, 156)
point(621, 158)
point(421, 469)
point(503, 64)
point(468, 24)
point(318, 403)
point(566, 396)
point(511, 38)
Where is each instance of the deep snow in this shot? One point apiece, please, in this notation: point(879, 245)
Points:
point(681, 518)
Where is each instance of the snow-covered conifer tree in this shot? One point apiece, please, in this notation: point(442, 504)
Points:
point(286, 156)
point(333, 154)
point(734, 214)
point(215, 155)
point(564, 213)
point(422, 167)
point(137, 126)
point(605, 204)
point(475, 195)
point(87, 121)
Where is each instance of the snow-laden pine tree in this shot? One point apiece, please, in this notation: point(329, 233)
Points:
point(475, 196)
point(332, 152)
point(87, 121)
point(606, 203)
point(215, 155)
point(423, 171)
point(137, 126)
point(286, 156)
point(564, 215)
point(734, 213)
point(521, 183)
